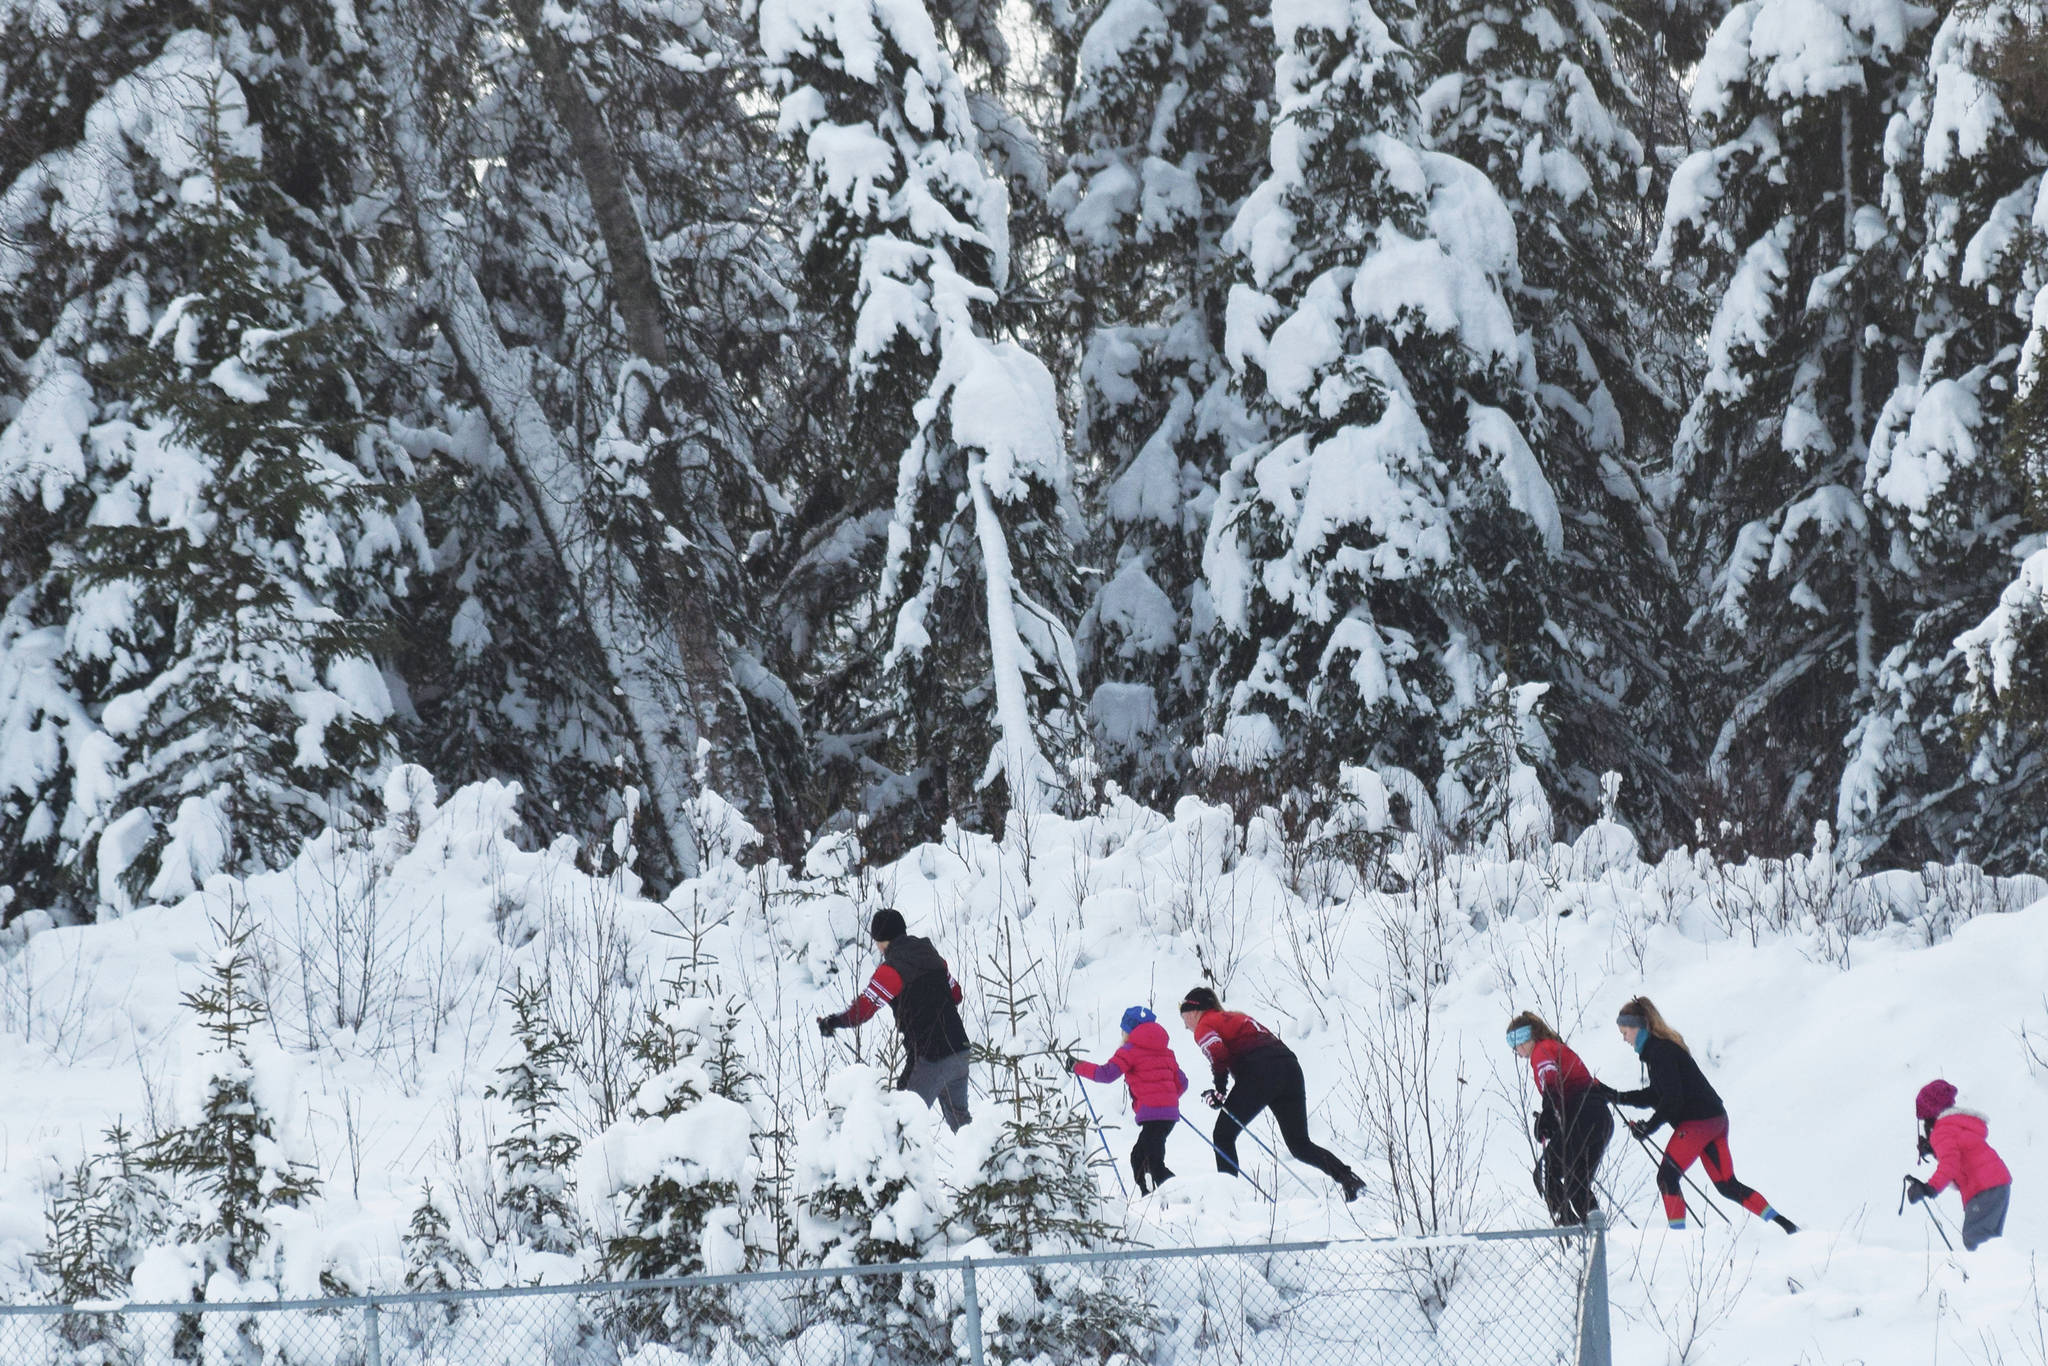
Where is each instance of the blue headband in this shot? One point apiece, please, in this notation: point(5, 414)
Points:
point(1520, 1035)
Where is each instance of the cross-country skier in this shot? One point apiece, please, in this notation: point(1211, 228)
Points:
point(1262, 1073)
point(1678, 1095)
point(1146, 1064)
point(1956, 1139)
point(914, 983)
point(1574, 1124)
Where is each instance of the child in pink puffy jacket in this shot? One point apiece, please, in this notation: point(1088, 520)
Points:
point(1146, 1064)
point(1956, 1139)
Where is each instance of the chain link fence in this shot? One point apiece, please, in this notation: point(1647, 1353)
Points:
point(1536, 1298)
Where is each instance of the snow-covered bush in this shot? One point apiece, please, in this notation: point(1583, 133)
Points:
point(679, 1169)
point(867, 1189)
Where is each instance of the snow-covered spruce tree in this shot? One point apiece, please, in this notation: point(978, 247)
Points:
point(1552, 102)
point(1930, 778)
point(1024, 1185)
point(1387, 554)
point(535, 1157)
point(963, 711)
point(228, 1160)
point(867, 1191)
point(91, 1253)
point(682, 1167)
point(434, 1259)
point(1796, 592)
point(201, 540)
point(1165, 136)
point(1491, 795)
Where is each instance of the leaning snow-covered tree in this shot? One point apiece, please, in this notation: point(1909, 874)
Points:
point(952, 691)
point(1383, 557)
point(210, 542)
point(553, 281)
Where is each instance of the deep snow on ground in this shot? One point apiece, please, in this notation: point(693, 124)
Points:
point(1817, 1004)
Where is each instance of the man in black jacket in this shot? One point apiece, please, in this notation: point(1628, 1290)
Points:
point(914, 983)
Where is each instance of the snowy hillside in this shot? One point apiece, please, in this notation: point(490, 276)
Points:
point(1816, 1003)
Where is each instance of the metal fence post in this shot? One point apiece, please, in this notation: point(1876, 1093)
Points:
point(373, 1349)
point(1596, 1346)
point(973, 1310)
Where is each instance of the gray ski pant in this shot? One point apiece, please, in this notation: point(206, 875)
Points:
point(944, 1081)
point(1984, 1215)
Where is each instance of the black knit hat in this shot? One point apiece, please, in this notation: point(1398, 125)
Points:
point(1200, 998)
point(887, 924)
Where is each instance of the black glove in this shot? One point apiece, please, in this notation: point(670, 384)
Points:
point(1917, 1190)
point(827, 1023)
point(1214, 1097)
point(1070, 1062)
point(1923, 1147)
point(1643, 1128)
point(1603, 1093)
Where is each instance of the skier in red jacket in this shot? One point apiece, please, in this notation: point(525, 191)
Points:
point(1957, 1139)
point(1574, 1124)
point(915, 984)
point(1262, 1073)
point(1146, 1064)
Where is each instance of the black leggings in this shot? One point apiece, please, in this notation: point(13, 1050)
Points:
point(1570, 1160)
point(1269, 1078)
point(1148, 1154)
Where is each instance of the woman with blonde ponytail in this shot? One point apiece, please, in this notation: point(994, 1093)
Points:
point(1679, 1095)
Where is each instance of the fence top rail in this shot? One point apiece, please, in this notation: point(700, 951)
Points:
point(796, 1273)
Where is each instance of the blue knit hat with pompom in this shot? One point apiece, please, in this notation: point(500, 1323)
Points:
point(1136, 1016)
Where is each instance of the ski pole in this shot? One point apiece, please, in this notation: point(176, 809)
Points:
point(1235, 1169)
point(1617, 1206)
point(1114, 1170)
point(1246, 1130)
point(1683, 1176)
point(1907, 1185)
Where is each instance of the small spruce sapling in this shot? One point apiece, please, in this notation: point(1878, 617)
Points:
point(82, 1259)
point(229, 1156)
point(1032, 1190)
point(434, 1260)
point(534, 1158)
point(866, 1192)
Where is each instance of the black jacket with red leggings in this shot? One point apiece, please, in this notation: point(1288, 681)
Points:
point(1678, 1090)
point(1682, 1097)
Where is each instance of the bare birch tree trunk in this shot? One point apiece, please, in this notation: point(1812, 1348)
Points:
point(648, 670)
point(720, 707)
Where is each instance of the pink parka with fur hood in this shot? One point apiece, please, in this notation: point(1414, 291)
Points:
point(1964, 1157)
